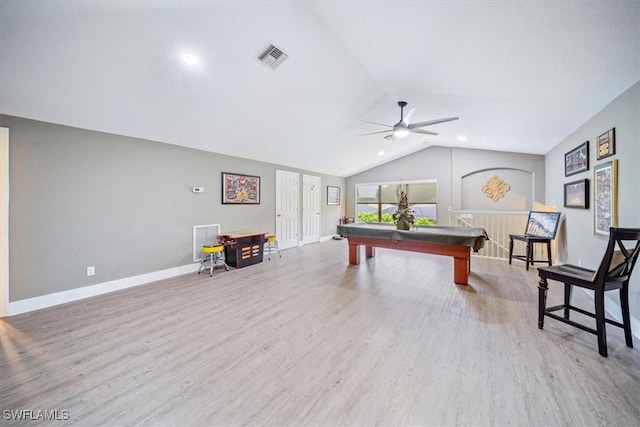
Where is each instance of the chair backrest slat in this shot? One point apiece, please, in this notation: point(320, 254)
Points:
point(620, 258)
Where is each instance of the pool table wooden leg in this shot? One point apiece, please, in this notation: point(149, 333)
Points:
point(461, 270)
point(354, 254)
point(370, 251)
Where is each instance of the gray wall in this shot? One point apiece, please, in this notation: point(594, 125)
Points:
point(518, 197)
point(80, 198)
point(452, 167)
point(579, 244)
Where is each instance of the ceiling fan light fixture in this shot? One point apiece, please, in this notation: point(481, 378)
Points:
point(400, 133)
point(406, 126)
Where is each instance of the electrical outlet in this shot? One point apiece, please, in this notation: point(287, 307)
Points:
point(91, 271)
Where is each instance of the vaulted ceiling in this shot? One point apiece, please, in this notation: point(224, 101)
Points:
point(520, 75)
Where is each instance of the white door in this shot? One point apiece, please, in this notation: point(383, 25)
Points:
point(311, 199)
point(4, 222)
point(287, 197)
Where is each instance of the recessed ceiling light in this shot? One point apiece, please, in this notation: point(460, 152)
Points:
point(380, 153)
point(190, 59)
point(462, 138)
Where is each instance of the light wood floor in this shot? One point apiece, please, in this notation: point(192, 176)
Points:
point(308, 340)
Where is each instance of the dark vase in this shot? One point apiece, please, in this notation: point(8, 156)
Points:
point(401, 224)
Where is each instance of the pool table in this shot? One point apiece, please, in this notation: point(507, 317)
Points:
point(456, 242)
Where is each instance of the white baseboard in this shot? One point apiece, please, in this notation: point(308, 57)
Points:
point(320, 240)
point(37, 303)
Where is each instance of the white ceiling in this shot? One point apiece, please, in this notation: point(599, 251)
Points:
point(520, 75)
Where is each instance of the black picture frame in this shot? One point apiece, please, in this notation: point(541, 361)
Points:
point(577, 160)
point(240, 189)
point(576, 194)
point(333, 196)
point(606, 144)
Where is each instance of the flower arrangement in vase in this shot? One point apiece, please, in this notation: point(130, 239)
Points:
point(403, 216)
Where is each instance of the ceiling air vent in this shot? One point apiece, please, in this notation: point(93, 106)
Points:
point(272, 57)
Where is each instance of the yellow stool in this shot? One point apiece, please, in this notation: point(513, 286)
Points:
point(271, 245)
point(213, 257)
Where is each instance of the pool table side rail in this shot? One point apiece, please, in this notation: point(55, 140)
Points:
point(465, 236)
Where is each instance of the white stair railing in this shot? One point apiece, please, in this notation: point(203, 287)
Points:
point(499, 224)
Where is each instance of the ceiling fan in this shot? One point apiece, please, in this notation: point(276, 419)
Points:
point(404, 127)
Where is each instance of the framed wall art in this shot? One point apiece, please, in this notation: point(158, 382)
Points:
point(240, 189)
point(576, 194)
point(605, 197)
point(543, 224)
point(333, 196)
point(606, 144)
point(577, 160)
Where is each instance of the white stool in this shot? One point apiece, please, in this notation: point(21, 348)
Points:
point(213, 256)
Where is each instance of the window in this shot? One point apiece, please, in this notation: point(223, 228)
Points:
point(378, 202)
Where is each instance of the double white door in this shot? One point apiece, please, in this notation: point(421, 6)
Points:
point(288, 209)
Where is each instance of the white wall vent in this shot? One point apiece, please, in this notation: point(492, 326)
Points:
point(204, 235)
point(272, 57)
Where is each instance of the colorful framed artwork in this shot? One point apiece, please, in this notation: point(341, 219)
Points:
point(606, 144)
point(577, 160)
point(605, 197)
point(576, 194)
point(240, 189)
point(333, 196)
point(543, 224)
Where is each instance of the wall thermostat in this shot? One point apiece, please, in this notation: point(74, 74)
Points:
point(198, 189)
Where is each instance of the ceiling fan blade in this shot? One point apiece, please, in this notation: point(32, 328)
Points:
point(373, 133)
point(374, 123)
point(431, 122)
point(407, 118)
point(422, 131)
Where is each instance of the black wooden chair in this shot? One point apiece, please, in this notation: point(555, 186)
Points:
point(541, 228)
point(613, 273)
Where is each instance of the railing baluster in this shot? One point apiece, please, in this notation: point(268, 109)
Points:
point(499, 224)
